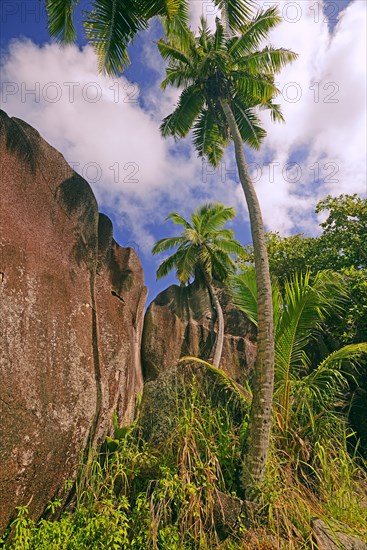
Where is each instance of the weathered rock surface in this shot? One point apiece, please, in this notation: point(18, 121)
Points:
point(181, 321)
point(71, 315)
point(334, 540)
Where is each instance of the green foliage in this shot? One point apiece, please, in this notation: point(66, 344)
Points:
point(111, 25)
point(341, 247)
point(139, 496)
point(305, 395)
point(215, 67)
point(204, 245)
point(143, 496)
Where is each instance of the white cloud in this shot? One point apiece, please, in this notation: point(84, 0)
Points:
point(327, 125)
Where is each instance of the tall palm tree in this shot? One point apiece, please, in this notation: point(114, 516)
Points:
point(204, 249)
point(111, 25)
point(226, 79)
point(304, 394)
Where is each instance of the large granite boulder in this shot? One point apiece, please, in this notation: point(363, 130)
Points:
point(181, 321)
point(71, 316)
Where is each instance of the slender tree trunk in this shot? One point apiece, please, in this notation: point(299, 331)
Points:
point(256, 453)
point(218, 347)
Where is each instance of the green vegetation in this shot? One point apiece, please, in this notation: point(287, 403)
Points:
point(203, 251)
point(340, 247)
point(181, 491)
point(111, 25)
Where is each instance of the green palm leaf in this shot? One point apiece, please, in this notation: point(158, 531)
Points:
point(60, 19)
point(243, 290)
point(207, 138)
point(171, 53)
point(151, 8)
point(269, 60)
point(228, 246)
point(216, 217)
point(187, 264)
point(166, 244)
point(169, 264)
point(254, 32)
point(178, 220)
point(179, 123)
point(109, 26)
point(248, 123)
point(238, 11)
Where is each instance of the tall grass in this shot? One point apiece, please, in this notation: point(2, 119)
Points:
point(181, 492)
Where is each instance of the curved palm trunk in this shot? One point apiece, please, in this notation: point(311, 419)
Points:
point(220, 334)
point(256, 454)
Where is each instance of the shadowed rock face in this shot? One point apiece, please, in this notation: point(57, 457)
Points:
point(181, 321)
point(71, 316)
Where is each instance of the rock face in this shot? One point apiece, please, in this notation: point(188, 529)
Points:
point(181, 321)
point(71, 316)
point(334, 540)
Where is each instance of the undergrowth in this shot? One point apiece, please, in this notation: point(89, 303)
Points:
point(183, 493)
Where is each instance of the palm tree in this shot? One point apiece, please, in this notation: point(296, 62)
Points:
point(226, 79)
point(204, 249)
point(305, 395)
point(111, 25)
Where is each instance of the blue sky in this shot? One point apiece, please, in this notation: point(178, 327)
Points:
point(108, 128)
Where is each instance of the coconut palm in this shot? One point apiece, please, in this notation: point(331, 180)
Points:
point(204, 249)
point(226, 80)
point(110, 25)
point(304, 394)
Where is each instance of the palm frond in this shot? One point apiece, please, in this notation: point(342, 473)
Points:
point(207, 138)
point(171, 53)
point(192, 236)
point(179, 123)
point(178, 220)
point(238, 11)
point(169, 264)
point(225, 233)
point(260, 88)
point(248, 124)
point(222, 265)
point(216, 217)
point(306, 304)
point(351, 354)
point(110, 26)
point(275, 111)
point(186, 265)
point(268, 60)
point(243, 291)
point(229, 246)
point(179, 76)
point(254, 32)
point(177, 27)
point(219, 37)
point(151, 8)
point(222, 378)
point(60, 20)
point(166, 244)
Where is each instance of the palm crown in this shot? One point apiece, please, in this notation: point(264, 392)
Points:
point(214, 67)
point(204, 245)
